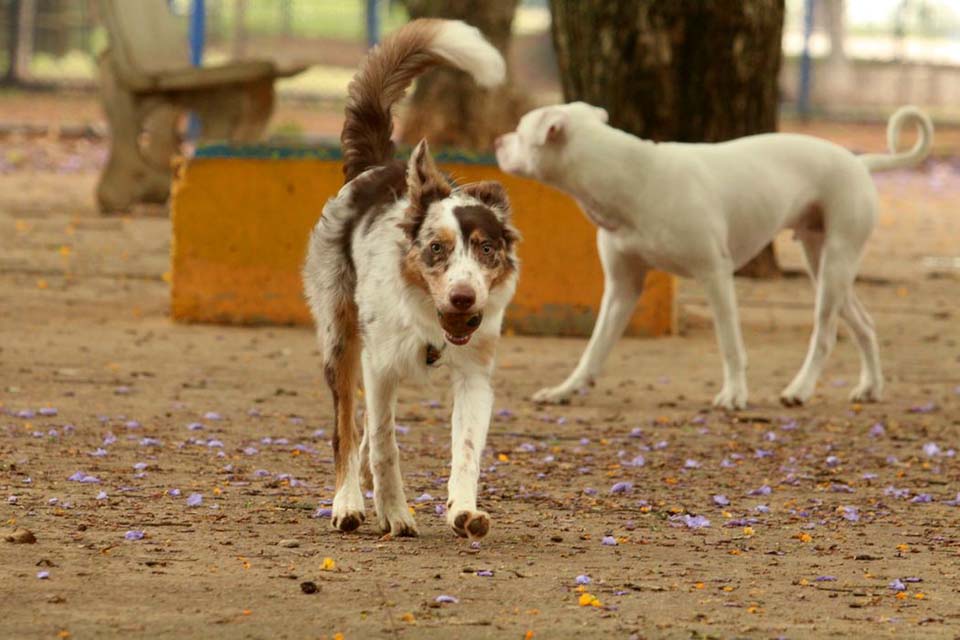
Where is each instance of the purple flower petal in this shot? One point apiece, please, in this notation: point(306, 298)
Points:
point(877, 430)
point(102, 495)
point(590, 491)
point(174, 493)
point(423, 497)
point(150, 442)
point(445, 599)
point(609, 541)
point(691, 464)
point(762, 508)
point(721, 500)
point(440, 509)
point(583, 579)
point(43, 575)
point(851, 514)
point(140, 466)
point(109, 439)
point(926, 407)
point(638, 461)
point(765, 490)
point(214, 444)
point(695, 522)
point(832, 461)
point(825, 579)
point(897, 585)
point(322, 512)
point(953, 503)
point(212, 415)
point(931, 449)
point(98, 453)
point(194, 426)
point(921, 498)
point(47, 412)
point(250, 451)
point(133, 535)
point(194, 500)
point(485, 573)
point(621, 487)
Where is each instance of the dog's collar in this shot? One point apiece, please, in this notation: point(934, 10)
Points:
point(434, 353)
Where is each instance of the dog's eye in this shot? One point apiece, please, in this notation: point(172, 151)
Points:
point(486, 248)
point(436, 247)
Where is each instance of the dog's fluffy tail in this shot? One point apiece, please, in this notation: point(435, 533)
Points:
point(388, 71)
point(916, 155)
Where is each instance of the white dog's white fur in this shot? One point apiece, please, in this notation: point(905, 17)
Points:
point(704, 210)
point(405, 270)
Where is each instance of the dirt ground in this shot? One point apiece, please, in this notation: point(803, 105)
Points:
point(832, 519)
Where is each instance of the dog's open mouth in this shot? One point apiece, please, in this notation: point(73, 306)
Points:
point(458, 328)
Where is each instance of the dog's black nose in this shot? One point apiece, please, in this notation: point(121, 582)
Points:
point(462, 298)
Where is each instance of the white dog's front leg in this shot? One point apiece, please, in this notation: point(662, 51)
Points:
point(722, 296)
point(622, 285)
point(472, 406)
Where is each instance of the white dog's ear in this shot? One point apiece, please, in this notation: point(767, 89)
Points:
point(602, 113)
point(552, 127)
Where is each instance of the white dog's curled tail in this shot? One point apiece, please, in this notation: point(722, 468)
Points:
point(916, 155)
point(389, 69)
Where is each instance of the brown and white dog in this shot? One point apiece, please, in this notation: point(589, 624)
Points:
point(404, 271)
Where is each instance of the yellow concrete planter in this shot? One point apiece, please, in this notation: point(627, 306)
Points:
point(241, 217)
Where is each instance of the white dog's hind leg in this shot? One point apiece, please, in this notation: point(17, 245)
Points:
point(870, 386)
point(622, 286)
point(720, 292)
point(393, 515)
point(472, 406)
point(834, 284)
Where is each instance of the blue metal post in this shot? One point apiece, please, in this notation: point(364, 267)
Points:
point(373, 22)
point(197, 35)
point(806, 69)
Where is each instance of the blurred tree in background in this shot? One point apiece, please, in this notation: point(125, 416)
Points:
point(684, 70)
point(447, 108)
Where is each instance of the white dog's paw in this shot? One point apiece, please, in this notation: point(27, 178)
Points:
point(347, 511)
point(796, 394)
point(867, 392)
point(731, 399)
point(554, 395)
point(397, 521)
point(469, 524)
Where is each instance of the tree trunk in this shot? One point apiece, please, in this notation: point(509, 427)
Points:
point(239, 45)
point(26, 19)
point(447, 107)
point(683, 70)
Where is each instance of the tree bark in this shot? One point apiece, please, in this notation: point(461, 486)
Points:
point(26, 20)
point(683, 70)
point(447, 107)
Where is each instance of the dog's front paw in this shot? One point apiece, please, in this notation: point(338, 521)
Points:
point(469, 524)
point(347, 511)
point(554, 395)
point(731, 399)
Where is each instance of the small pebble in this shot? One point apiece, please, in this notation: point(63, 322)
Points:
point(308, 587)
point(289, 544)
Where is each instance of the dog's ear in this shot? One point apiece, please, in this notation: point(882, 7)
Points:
point(425, 184)
point(552, 127)
point(603, 115)
point(489, 193)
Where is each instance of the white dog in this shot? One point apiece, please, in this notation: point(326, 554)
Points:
point(704, 210)
point(404, 271)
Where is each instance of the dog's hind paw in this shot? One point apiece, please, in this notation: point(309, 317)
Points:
point(866, 393)
point(731, 400)
point(553, 395)
point(470, 524)
point(399, 525)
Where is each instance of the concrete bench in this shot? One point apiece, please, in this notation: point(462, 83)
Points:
point(147, 83)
